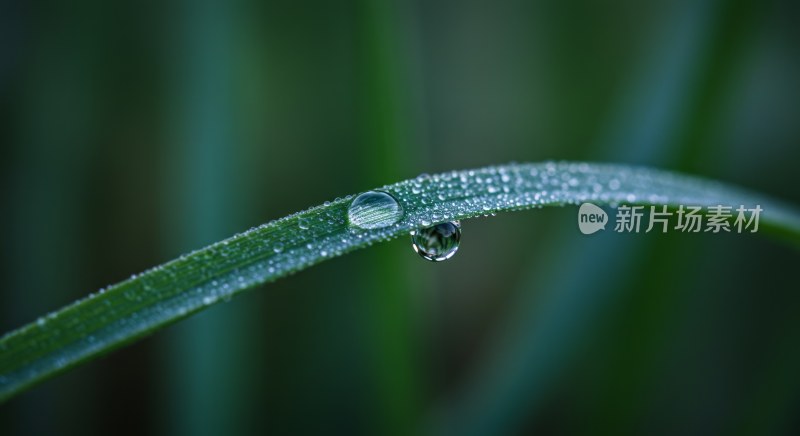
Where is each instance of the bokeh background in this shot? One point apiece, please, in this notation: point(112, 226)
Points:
point(136, 131)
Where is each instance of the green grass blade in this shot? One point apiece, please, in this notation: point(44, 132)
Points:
point(146, 302)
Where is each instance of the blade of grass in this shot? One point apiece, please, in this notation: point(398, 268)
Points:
point(160, 296)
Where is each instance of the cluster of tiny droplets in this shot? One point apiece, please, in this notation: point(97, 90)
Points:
point(430, 199)
point(294, 242)
point(291, 243)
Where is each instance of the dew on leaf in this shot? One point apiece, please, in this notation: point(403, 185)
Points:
point(374, 210)
point(438, 242)
point(303, 223)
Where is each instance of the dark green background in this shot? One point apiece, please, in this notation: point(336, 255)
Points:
point(135, 131)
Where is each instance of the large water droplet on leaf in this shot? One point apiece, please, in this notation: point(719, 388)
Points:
point(437, 243)
point(374, 210)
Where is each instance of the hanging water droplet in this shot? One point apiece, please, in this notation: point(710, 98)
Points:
point(374, 210)
point(437, 243)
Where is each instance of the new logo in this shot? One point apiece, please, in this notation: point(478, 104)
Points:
point(591, 218)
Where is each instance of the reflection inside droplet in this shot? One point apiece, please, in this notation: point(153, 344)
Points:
point(374, 210)
point(438, 242)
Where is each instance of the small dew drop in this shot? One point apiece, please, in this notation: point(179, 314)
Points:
point(374, 210)
point(437, 243)
point(303, 223)
point(278, 248)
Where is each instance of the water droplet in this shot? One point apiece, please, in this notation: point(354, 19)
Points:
point(303, 223)
point(277, 248)
point(437, 243)
point(374, 210)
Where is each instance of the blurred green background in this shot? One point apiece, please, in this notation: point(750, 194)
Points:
point(136, 131)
